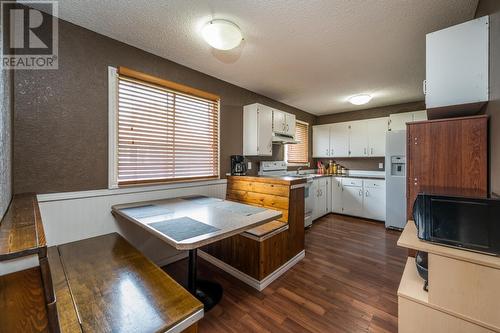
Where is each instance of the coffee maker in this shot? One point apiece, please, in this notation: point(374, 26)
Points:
point(238, 165)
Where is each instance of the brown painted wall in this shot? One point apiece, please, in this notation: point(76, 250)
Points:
point(492, 8)
point(383, 111)
point(6, 108)
point(61, 116)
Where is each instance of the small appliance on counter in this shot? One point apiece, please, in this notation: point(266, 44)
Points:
point(238, 165)
point(469, 223)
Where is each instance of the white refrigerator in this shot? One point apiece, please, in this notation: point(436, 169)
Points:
point(395, 180)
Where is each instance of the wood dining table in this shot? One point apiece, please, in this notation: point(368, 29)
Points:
point(188, 223)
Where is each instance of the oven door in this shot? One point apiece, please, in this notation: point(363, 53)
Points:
point(308, 203)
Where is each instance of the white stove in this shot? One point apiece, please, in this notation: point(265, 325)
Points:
point(279, 169)
point(273, 168)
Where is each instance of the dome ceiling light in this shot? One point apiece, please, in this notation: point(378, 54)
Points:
point(222, 34)
point(360, 99)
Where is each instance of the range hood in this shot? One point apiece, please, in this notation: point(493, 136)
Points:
point(284, 139)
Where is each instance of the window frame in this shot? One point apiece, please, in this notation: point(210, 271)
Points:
point(308, 164)
point(113, 75)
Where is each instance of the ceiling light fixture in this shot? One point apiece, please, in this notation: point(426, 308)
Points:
point(222, 34)
point(360, 99)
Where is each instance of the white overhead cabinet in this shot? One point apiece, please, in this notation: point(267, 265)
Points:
point(457, 65)
point(376, 130)
point(283, 123)
point(321, 141)
point(339, 140)
point(363, 138)
point(398, 121)
point(358, 139)
point(257, 130)
point(263, 124)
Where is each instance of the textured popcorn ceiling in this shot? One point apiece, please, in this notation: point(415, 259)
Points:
point(309, 54)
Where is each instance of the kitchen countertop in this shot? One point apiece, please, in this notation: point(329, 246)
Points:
point(344, 176)
point(283, 180)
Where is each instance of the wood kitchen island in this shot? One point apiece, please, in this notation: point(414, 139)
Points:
point(260, 255)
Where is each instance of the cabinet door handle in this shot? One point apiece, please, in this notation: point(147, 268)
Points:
point(360, 193)
point(371, 151)
point(365, 151)
point(331, 152)
point(287, 127)
point(366, 193)
point(327, 152)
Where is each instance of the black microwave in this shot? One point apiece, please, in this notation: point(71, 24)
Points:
point(468, 223)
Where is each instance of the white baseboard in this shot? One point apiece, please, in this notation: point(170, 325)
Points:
point(252, 282)
point(172, 259)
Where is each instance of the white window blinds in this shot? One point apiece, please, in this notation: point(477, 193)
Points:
point(299, 153)
point(165, 135)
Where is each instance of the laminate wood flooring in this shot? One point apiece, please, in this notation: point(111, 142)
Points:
point(347, 282)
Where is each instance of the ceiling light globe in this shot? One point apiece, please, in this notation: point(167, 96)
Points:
point(222, 34)
point(360, 99)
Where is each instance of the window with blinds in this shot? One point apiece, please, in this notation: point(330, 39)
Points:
point(299, 153)
point(164, 134)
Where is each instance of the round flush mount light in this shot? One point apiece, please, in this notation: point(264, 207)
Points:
point(222, 34)
point(360, 99)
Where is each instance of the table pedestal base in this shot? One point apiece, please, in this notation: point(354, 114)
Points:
point(207, 292)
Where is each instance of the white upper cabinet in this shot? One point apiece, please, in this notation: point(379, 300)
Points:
point(419, 115)
point(376, 130)
point(339, 140)
point(363, 138)
point(257, 130)
point(358, 139)
point(283, 123)
point(279, 122)
point(457, 64)
point(290, 124)
point(398, 121)
point(321, 141)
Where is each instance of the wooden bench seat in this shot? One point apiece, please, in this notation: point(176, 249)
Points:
point(263, 232)
point(21, 230)
point(104, 284)
point(22, 302)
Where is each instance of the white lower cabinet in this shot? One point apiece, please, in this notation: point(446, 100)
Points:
point(336, 195)
point(374, 199)
point(320, 192)
point(358, 197)
point(352, 200)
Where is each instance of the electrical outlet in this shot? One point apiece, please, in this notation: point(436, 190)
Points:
point(249, 165)
point(381, 165)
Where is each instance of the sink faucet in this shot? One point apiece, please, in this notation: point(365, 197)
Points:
point(298, 170)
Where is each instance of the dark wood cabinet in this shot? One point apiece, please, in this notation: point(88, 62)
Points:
point(448, 156)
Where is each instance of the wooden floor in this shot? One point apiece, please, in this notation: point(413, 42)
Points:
point(346, 283)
